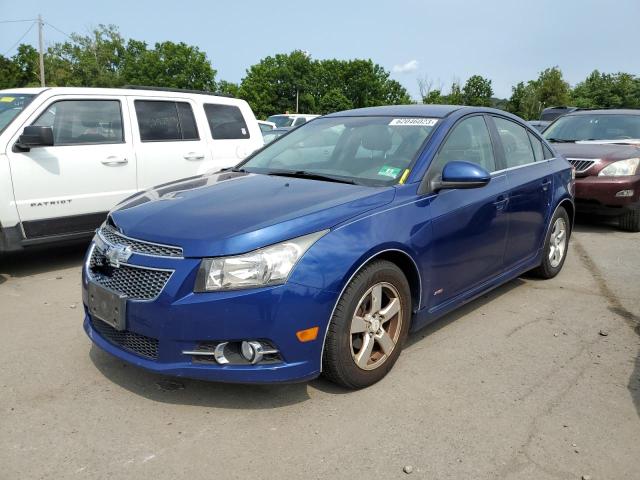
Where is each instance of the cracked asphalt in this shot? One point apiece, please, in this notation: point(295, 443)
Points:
point(535, 380)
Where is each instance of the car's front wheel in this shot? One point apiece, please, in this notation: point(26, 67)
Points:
point(369, 326)
point(630, 221)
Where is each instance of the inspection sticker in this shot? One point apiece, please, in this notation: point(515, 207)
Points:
point(7, 99)
point(388, 171)
point(413, 122)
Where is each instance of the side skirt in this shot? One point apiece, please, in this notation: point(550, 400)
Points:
point(425, 316)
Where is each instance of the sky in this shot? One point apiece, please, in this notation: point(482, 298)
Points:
point(506, 41)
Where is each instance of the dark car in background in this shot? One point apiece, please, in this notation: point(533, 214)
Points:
point(549, 114)
point(604, 148)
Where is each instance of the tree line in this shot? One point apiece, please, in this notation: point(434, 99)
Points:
point(286, 82)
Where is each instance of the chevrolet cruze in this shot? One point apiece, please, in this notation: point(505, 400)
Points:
point(322, 251)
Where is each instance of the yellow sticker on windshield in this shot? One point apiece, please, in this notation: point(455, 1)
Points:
point(404, 176)
point(7, 99)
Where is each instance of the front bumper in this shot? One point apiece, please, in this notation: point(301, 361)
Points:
point(597, 195)
point(179, 320)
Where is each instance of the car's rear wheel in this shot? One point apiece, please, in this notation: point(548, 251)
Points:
point(555, 246)
point(630, 221)
point(369, 326)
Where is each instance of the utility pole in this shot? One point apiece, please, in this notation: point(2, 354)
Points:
point(41, 49)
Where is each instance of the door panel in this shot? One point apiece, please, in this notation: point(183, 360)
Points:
point(169, 143)
point(529, 202)
point(469, 235)
point(79, 176)
point(530, 190)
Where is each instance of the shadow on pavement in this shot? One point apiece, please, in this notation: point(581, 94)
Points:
point(185, 391)
point(41, 260)
point(593, 224)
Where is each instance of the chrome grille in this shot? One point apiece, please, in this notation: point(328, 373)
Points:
point(134, 342)
point(580, 164)
point(112, 236)
point(136, 283)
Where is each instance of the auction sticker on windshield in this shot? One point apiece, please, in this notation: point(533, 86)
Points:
point(413, 122)
point(7, 99)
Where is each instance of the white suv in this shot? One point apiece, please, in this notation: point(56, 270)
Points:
point(68, 155)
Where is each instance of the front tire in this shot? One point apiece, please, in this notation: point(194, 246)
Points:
point(368, 327)
point(555, 246)
point(630, 221)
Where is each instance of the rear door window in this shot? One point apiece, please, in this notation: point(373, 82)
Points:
point(226, 122)
point(515, 142)
point(161, 121)
point(538, 151)
point(82, 122)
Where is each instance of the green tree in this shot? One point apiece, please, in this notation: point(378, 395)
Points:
point(9, 73)
point(603, 90)
point(228, 88)
point(334, 101)
point(551, 88)
point(477, 91)
point(455, 96)
point(272, 85)
point(434, 97)
point(168, 64)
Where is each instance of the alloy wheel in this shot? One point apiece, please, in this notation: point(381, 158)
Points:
point(558, 242)
point(376, 326)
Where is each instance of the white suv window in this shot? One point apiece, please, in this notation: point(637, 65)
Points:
point(226, 122)
point(161, 121)
point(82, 122)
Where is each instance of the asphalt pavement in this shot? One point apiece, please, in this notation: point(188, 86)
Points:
point(535, 380)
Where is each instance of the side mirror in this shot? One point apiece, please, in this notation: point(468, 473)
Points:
point(33, 136)
point(461, 174)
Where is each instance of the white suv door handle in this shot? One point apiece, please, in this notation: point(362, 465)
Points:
point(194, 156)
point(113, 161)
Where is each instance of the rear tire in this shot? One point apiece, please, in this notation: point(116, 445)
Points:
point(368, 327)
point(630, 221)
point(556, 245)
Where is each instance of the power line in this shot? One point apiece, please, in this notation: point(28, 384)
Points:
point(19, 40)
point(58, 30)
point(18, 21)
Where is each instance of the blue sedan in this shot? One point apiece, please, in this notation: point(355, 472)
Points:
point(322, 251)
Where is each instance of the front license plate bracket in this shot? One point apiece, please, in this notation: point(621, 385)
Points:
point(107, 306)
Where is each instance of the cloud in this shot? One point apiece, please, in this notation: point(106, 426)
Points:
point(409, 67)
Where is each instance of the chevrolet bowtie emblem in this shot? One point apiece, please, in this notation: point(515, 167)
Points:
point(116, 255)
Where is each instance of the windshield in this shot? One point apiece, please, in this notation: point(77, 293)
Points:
point(11, 104)
point(372, 151)
point(281, 120)
point(572, 128)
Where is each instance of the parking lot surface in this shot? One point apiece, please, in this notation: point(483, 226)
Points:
point(535, 380)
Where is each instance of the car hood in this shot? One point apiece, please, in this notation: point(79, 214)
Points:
point(604, 151)
point(228, 213)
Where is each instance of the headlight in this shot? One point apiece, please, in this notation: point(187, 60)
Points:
point(621, 168)
point(266, 266)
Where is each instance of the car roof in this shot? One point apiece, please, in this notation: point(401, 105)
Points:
point(137, 91)
point(607, 111)
point(419, 110)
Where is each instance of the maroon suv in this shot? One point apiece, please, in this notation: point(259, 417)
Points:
point(604, 148)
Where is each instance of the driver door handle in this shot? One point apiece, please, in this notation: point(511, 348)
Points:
point(113, 161)
point(194, 156)
point(501, 202)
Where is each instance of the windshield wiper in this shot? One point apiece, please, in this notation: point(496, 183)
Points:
point(560, 140)
point(310, 175)
point(233, 169)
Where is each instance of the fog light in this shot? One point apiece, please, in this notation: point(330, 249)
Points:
point(252, 351)
point(625, 193)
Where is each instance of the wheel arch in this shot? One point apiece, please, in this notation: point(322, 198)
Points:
point(404, 262)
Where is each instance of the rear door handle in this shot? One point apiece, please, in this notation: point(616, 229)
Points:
point(194, 156)
point(545, 184)
point(114, 161)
